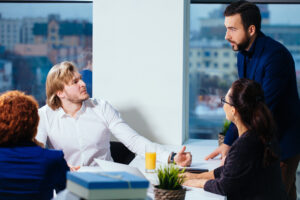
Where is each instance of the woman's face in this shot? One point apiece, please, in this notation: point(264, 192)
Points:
point(229, 109)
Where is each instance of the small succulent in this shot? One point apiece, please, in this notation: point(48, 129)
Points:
point(225, 127)
point(170, 177)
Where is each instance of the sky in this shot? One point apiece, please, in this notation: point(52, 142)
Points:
point(66, 10)
point(279, 13)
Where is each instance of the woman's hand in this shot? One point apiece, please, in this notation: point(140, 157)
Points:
point(199, 183)
point(188, 175)
point(204, 175)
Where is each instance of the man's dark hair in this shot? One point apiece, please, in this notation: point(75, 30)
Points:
point(249, 12)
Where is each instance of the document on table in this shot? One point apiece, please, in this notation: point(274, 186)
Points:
point(113, 167)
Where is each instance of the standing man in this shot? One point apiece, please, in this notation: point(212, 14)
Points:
point(81, 127)
point(268, 62)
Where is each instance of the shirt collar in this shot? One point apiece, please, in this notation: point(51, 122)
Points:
point(62, 113)
point(252, 48)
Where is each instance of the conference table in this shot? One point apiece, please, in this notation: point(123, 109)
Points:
point(198, 148)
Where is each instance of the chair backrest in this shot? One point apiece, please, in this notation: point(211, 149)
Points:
point(120, 153)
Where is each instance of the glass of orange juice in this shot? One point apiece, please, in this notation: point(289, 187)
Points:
point(150, 158)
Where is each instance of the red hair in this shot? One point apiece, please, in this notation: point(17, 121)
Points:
point(18, 118)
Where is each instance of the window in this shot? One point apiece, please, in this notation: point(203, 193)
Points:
point(207, 63)
point(207, 53)
point(29, 50)
point(226, 54)
point(206, 115)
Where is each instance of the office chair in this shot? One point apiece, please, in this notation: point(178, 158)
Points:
point(120, 153)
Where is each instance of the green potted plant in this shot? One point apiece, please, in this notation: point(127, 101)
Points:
point(222, 134)
point(170, 183)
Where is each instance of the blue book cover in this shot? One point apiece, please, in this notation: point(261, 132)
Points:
point(107, 180)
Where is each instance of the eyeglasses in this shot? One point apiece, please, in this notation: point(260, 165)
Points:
point(223, 101)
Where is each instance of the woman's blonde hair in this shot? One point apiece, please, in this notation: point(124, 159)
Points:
point(59, 75)
point(18, 118)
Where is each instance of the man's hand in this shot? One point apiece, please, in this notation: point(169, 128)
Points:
point(73, 168)
point(223, 150)
point(184, 159)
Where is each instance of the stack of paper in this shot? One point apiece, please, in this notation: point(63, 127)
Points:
point(107, 185)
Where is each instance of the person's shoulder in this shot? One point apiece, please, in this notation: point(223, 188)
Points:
point(46, 109)
point(274, 45)
point(249, 141)
point(95, 103)
point(52, 154)
point(101, 107)
point(46, 112)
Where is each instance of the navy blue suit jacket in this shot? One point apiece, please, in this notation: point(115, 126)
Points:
point(31, 172)
point(273, 67)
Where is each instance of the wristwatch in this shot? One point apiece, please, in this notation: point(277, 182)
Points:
point(171, 158)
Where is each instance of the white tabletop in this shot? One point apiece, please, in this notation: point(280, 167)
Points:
point(199, 149)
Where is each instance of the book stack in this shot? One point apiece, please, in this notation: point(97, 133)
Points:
point(107, 185)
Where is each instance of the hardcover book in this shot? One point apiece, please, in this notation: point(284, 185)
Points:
point(107, 185)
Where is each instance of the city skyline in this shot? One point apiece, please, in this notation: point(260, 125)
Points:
point(279, 14)
point(21, 10)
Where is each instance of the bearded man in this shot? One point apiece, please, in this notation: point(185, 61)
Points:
point(268, 62)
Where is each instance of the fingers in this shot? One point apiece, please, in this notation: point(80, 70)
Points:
point(182, 150)
point(223, 161)
point(186, 160)
point(74, 168)
point(212, 155)
point(189, 159)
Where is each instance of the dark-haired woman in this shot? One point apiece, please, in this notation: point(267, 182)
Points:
point(251, 169)
point(27, 171)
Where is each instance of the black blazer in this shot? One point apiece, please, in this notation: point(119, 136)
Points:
point(243, 176)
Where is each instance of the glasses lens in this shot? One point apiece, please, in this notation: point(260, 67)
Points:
point(222, 100)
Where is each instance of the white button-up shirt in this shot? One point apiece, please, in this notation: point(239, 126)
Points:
point(87, 135)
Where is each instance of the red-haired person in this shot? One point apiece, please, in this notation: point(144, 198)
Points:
point(27, 171)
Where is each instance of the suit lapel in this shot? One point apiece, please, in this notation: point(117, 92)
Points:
point(240, 65)
point(259, 47)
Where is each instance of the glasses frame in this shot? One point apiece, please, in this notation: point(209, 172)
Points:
point(223, 101)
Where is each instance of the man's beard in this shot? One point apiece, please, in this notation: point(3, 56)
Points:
point(243, 45)
point(77, 99)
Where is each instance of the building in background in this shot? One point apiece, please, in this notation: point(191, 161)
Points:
point(212, 67)
point(30, 46)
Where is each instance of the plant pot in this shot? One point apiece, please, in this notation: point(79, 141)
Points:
point(169, 194)
point(221, 139)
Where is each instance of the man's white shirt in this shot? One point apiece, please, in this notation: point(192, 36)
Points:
point(87, 135)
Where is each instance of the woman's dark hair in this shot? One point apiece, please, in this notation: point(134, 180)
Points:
point(249, 12)
point(247, 97)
